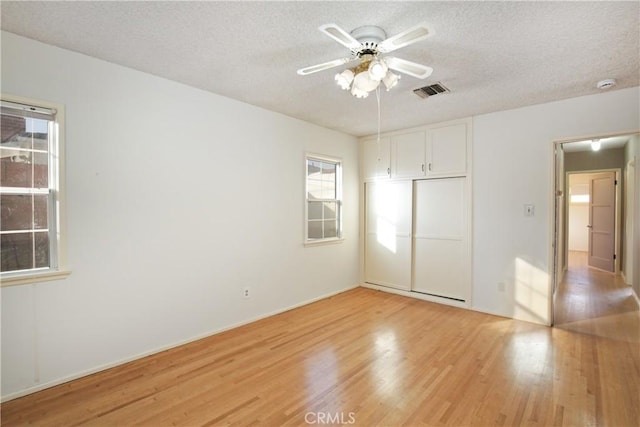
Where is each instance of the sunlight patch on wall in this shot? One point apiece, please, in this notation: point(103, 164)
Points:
point(387, 206)
point(530, 293)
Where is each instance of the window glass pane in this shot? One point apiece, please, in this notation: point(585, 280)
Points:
point(37, 130)
point(16, 251)
point(315, 210)
point(330, 229)
point(328, 172)
point(15, 169)
point(12, 127)
point(315, 230)
point(328, 190)
point(41, 248)
point(579, 198)
point(20, 136)
point(314, 189)
point(329, 210)
point(16, 212)
point(40, 211)
point(40, 170)
point(313, 169)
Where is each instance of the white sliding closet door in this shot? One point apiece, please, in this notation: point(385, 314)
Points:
point(440, 238)
point(388, 233)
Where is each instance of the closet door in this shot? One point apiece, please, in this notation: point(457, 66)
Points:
point(447, 150)
point(408, 155)
point(388, 233)
point(440, 264)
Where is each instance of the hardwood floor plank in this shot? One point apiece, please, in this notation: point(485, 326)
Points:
point(379, 358)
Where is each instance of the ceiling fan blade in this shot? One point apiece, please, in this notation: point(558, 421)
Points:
point(340, 35)
point(324, 66)
point(407, 67)
point(405, 38)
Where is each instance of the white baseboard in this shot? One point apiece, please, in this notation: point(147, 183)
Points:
point(633, 292)
point(417, 295)
point(445, 301)
point(110, 365)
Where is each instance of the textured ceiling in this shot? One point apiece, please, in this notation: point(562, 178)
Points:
point(492, 55)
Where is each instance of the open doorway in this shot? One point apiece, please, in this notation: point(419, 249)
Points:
point(595, 236)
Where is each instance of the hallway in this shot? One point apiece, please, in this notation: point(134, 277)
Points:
point(594, 302)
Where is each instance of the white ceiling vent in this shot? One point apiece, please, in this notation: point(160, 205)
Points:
point(431, 90)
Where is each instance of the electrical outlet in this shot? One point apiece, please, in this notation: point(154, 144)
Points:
point(246, 293)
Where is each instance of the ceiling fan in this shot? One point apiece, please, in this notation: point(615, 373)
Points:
point(367, 45)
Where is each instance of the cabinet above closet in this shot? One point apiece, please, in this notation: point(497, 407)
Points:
point(430, 151)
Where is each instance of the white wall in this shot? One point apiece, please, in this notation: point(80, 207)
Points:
point(513, 164)
point(176, 200)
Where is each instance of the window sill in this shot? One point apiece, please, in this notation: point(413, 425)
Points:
point(324, 242)
point(26, 279)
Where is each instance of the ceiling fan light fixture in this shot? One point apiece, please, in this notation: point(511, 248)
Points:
point(390, 80)
point(367, 45)
point(359, 93)
point(363, 82)
point(377, 69)
point(344, 79)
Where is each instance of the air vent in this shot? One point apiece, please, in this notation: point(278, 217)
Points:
point(431, 90)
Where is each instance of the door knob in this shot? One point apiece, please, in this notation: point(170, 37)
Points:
point(589, 226)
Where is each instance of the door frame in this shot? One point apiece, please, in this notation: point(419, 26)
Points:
point(617, 239)
point(558, 174)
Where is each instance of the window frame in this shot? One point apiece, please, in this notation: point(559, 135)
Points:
point(338, 200)
point(57, 213)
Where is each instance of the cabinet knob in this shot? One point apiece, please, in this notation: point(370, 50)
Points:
point(423, 167)
point(389, 171)
point(429, 167)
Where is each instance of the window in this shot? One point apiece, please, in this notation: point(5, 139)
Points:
point(324, 199)
point(579, 198)
point(30, 234)
point(579, 192)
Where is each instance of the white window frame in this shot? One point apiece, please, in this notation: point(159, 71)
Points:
point(57, 224)
point(338, 200)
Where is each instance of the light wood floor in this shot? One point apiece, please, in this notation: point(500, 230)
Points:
point(364, 356)
point(595, 302)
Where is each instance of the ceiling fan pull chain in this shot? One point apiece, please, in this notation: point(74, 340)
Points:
point(378, 139)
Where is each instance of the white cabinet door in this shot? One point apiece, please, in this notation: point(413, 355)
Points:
point(440, 260)
point(408, 155)
point(388, 233)
point(447, 150)
point(376, 158)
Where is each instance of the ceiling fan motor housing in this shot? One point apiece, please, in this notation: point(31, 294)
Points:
point(369, 36)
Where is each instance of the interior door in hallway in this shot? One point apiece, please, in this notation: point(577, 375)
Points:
point(602, 207)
